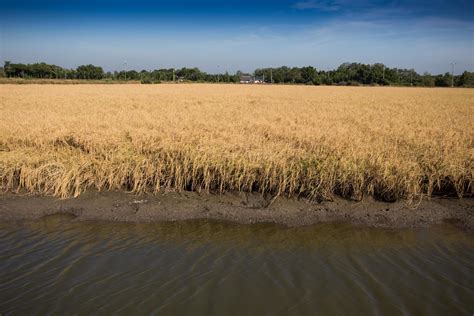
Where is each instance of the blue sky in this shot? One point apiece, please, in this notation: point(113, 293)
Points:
point(231, 35)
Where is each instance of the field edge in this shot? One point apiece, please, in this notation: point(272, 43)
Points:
point(239, 207)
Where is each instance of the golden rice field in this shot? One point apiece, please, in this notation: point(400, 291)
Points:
point(314, 142)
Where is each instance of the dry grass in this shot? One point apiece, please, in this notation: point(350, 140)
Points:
point(287, 140)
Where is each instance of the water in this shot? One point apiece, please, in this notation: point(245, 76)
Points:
point(61, 266)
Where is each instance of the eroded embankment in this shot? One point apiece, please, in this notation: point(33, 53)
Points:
point(239, 207)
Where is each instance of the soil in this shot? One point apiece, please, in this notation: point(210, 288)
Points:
point(241, 208)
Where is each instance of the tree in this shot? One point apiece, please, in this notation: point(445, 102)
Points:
point(466, 79)
point(427, 80)
point(6, 68)
point(346, 73)
point(89, 72)
point(443, 80)
point(308, 74)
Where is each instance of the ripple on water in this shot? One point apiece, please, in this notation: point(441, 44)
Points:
point(58, 265)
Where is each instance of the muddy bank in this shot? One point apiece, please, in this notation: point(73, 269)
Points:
point(239, 207)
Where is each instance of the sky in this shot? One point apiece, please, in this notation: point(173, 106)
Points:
point(231, 35)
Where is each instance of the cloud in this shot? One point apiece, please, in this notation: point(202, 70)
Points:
point(317, 5)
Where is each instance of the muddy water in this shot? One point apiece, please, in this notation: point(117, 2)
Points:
point(61, 266)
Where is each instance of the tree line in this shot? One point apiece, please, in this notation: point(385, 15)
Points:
point(345, 74)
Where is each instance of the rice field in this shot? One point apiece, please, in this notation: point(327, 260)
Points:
point(296, 141)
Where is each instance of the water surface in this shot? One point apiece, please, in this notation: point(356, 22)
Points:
point(61, 266)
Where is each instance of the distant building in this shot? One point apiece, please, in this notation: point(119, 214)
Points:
point(251, 79)
point(246, 79)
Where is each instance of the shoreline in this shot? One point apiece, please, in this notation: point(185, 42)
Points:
point(239, 207)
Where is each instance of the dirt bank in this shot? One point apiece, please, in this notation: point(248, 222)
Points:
point(238, 207)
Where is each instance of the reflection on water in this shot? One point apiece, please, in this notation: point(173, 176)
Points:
point(61, 266)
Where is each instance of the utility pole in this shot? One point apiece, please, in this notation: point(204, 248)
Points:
point(263, 80)
point(174, 76)
point(383, 74)
point(452, 74)
point(218, 69)
point(271, 75)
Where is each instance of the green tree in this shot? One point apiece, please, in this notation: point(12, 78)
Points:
point(466, 79)
point(89, 72)
point(427, 80)
point(443, 80)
